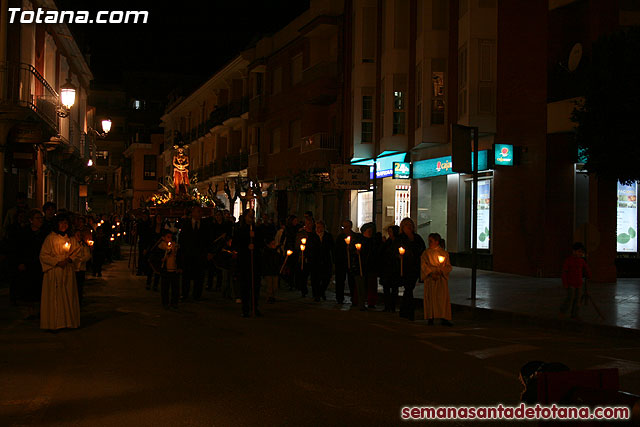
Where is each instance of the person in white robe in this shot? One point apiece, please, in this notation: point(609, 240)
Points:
point(435, 269)
point(59, 254)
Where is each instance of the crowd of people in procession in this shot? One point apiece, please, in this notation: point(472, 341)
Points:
point(49, 251)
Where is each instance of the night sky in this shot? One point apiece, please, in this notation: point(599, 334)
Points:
point(191, 38)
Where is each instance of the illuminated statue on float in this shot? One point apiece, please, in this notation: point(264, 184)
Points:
point(180, 171)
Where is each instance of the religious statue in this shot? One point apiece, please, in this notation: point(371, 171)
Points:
point(180, 171)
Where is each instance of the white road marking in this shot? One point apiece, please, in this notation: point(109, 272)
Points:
point(434, 346)
point(488, 353)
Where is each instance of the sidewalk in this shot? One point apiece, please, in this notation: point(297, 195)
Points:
point(537, 301)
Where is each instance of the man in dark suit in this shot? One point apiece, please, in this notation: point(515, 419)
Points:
point(194, 252)
point(323, 268)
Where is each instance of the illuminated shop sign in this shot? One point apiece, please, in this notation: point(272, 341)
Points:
point(503, 154)
point(384, 163)
point(442, 165)
point(401, 170)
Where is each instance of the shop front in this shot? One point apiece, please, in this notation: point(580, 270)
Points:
point(392, 203)
point(444, 205)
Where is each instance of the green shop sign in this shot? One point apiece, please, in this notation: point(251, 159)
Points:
point(442, 165)
point(503, 154)
point(401, 170)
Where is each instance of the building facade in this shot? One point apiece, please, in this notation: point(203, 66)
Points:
point(271, 117)
point(44, 148)
point(417, 67)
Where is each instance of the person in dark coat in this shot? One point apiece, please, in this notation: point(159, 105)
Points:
point(27, 249)
point(153, 274)
point(364, 265)
point(288, 243)
point(248, 244)
point(271, 264)
point(389, 264)
point(194, 252)
point(144, 229)
point(323, 267)
point(340, 258)
point(413, 246)
point(219, 230)
point(306, 263)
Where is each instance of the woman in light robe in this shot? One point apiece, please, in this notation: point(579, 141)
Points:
point(435, 269)
point(59, 307)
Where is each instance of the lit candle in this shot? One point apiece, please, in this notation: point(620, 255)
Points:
point(67, 246)
point(102, 221)
point(401, 251)
point(113, 226)
point(441, 259)
point(348, 242)
point(112, 238)
point(358, 247)
point(303, 240)
point(302, 248)
point(90, 243)
point(289, 252)
point(118, 234)
point(118, 223)
point(124, 233)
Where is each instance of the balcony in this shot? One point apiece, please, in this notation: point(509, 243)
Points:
point(320, 141)
point(22, 86)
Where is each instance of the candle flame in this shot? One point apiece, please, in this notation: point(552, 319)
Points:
point(440, 259)
point(302, 247)
point(358, 246)
point(289, 252)
point(67, 245)
point(348, 240)
point(303, 240)
point(112, 238)
point(90, 242)
point(118, 234)
point(401, 250)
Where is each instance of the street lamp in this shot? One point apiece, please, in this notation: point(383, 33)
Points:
point(106, 125)
point(67, 98)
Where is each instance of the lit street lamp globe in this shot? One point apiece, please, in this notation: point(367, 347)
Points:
point(68, 94)
point(106, 125)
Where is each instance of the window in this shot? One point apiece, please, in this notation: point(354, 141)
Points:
point(137, 104)
point(462, 82)
point(368, 34)
point(277, 80)
point(275, 140)
point(367, 119)
point(398, 113)
point(401, 24)
point(150, 165)
point(486, 77)
point(296, 69)
point(418, 96)
point(102, 158)
point(295, 133)
point(259, 83)
point(437, 93)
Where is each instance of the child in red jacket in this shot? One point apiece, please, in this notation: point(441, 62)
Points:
point(574, 270)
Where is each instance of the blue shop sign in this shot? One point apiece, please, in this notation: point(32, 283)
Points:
point(384, 163)
point(503, 154)
point(442, 165)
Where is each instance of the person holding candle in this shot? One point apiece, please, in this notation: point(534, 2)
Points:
point(59, 307)
point(435, 269)
point(170, 270)
point(248, 244)
point(341, 260)
point(363, 266)
point(413, 246)
point(307, 259)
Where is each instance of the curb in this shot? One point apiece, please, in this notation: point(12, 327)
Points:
point(567, 325)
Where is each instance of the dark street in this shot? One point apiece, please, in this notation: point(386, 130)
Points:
point(303, 363)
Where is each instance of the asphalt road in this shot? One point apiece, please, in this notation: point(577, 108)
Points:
point(303, 363)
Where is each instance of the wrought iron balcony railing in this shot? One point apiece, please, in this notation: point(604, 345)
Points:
point(22, 85)
point(320, 141)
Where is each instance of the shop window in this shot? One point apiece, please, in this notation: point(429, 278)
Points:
point(398, 113)
point(365, 207)
point(402, 203)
